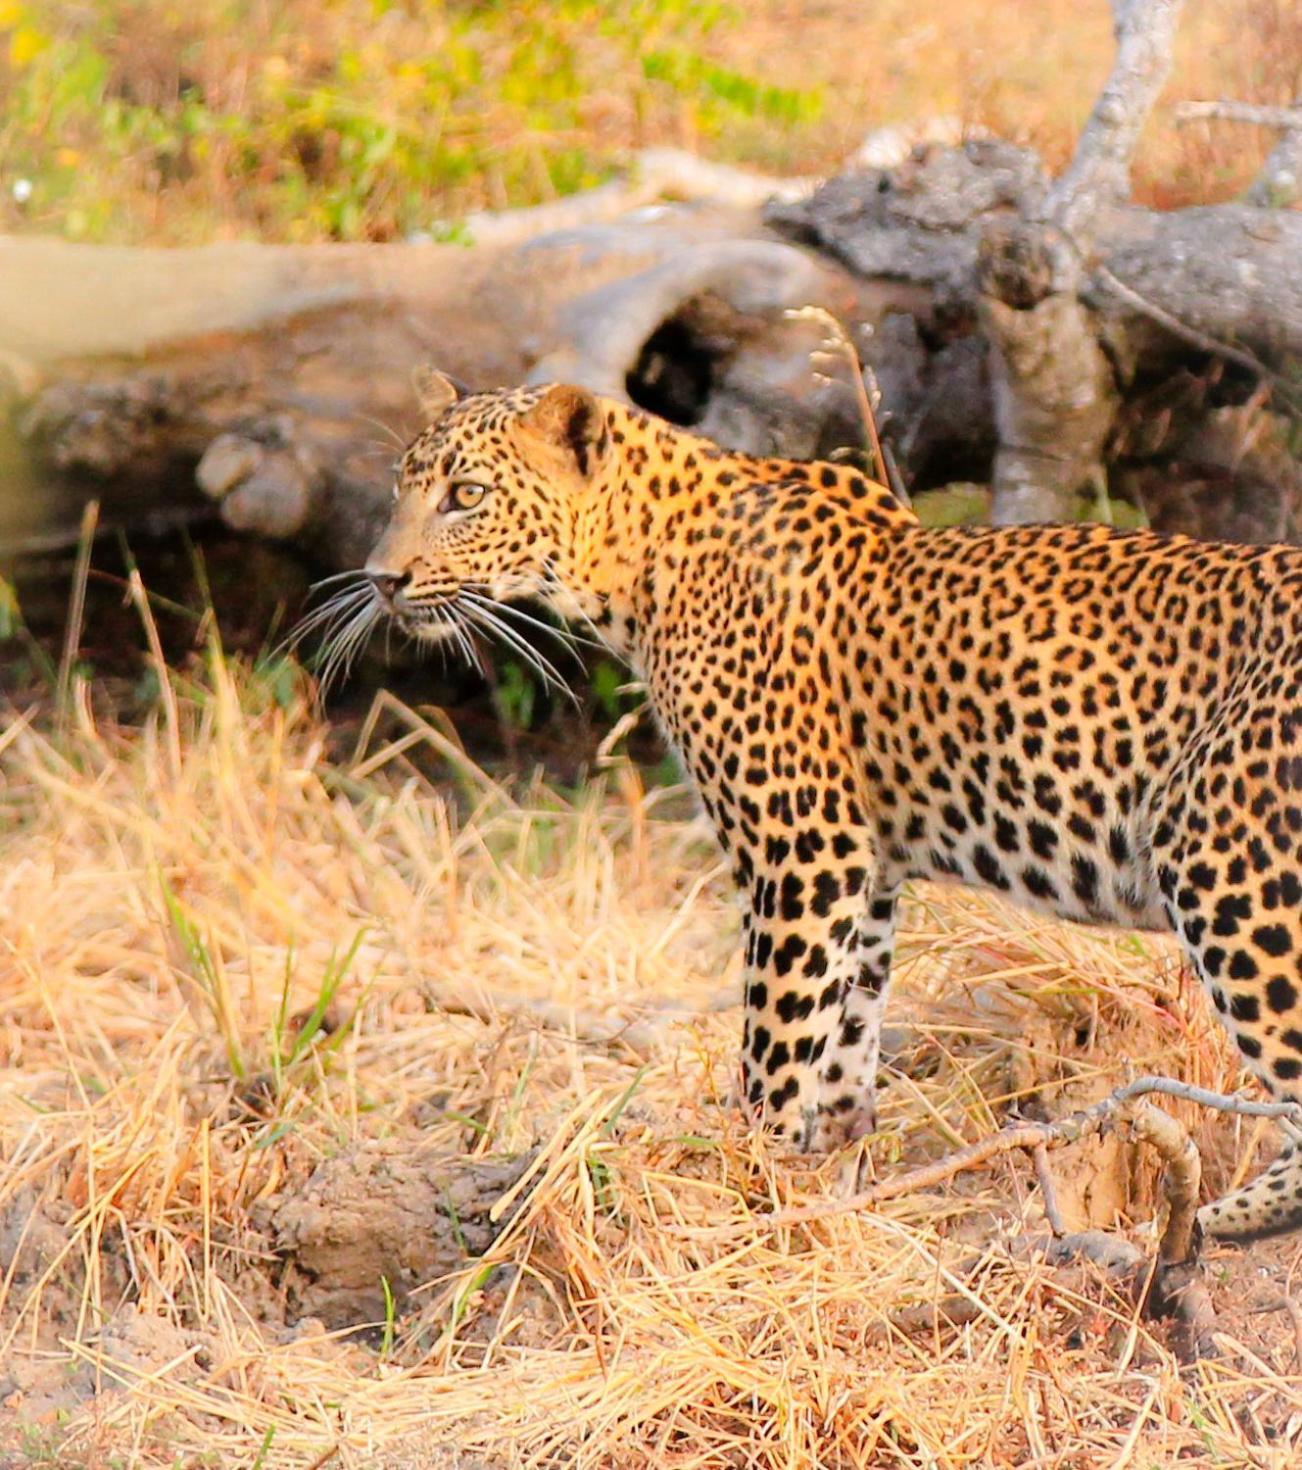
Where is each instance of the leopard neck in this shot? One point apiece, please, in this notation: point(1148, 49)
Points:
point(658, 486)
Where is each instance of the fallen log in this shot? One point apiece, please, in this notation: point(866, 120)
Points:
point(1045, 337)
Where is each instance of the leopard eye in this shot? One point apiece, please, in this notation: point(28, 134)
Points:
point(465, 496)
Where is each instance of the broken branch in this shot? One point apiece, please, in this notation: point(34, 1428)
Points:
point(1242, 112)
point(1029, 1136)
point(1099, 172)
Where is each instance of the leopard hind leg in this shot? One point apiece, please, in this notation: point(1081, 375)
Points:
point(1231, 881)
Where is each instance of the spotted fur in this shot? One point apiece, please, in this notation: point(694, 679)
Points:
point(1104, 725)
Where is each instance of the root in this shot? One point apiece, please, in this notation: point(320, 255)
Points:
point(1173, 1288)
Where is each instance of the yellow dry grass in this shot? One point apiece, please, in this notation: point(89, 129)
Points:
point(170, 893)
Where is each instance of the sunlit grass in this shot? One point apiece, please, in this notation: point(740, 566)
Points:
point(225, 960)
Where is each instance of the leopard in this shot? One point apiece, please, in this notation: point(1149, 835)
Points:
point(1102, 724)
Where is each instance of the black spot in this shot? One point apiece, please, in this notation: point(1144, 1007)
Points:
point(1039, 883)
point(989, 867)
point(1281, 995)
point(787, 953)
point(1245, 1007)
point(1273, 938)
point(793, 1006)
point(1084, 880)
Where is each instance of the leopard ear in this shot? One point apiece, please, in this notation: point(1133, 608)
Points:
point(571, 419)
point(435, 392)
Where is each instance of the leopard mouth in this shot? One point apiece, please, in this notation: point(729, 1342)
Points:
point(431, 621)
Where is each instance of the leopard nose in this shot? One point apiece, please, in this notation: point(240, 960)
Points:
point(388, 584)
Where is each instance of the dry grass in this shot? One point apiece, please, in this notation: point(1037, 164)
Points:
point(170, 894)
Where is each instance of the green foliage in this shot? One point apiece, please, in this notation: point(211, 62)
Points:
point(11, 617)
point(343, 119)
point(606, 680)
point(958, 504)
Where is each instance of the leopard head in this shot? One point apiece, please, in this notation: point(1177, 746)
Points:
point(487, 504)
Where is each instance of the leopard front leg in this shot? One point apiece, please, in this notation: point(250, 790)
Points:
point(848, 1096)
point(804, 936)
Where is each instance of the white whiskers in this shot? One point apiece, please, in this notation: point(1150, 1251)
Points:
point(345, 620)
point(487, 616)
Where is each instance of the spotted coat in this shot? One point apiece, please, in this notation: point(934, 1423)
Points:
point(1104, 725)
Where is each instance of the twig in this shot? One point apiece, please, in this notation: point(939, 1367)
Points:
point(1284, 118)
point(1108, 1252)
point(1294, 1309)
point(77, 606)
point(1048, 1191)
point(1288, 1114)
point(870, 396)
point(1009, 1139)
point(1180, 1181)
point(1099, 172)
point(644, 1037)
point(1279, 183)
point(1198, 339)
point(895, 479)
point(1072, 1129)
point(649, 175)
point(839, 343)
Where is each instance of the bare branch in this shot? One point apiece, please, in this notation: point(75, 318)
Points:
point(1180, 1180)
point(1029, 1136)
point(1294, 1309)
point(650, 175)
point(1198, 339)
point(1099, 173)
point(1288, 1114)
point(1285, 118)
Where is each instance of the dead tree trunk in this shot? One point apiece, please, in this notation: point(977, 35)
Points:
point(1112, 349)
point(1046, 338)
point(276, 381)
point(1054, 394)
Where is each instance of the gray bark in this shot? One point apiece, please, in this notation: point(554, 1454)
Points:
point(284, 374)
point(1279, 184)
point(1099, 172)
point(1008, 319)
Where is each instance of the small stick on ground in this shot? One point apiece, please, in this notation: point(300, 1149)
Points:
point(1182, 1176)
point(1048, 1190)
point(1174, 1288)
point(643, 1037)
point(1294, 1309)
point(1026, 1135)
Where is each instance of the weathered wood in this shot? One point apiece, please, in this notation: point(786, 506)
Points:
point(284, 373)
point(1077, 295)
point(1021, 329)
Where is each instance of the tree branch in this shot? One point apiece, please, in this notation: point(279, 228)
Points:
point(1030, 1136)
point(1099, 173)
point(1285, 118)
point(1201, 340)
